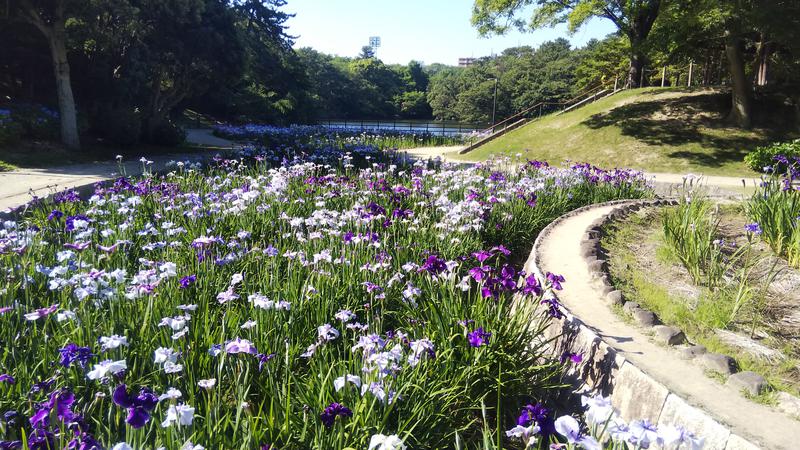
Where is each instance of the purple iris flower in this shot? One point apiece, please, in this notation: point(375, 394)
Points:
point(66, 197)
point(329, 414)
point(502, 249)
point(575, 358)
point(263, 359)
point(434, 265)
point(479, 273)
point(80, 246)
point(478, 337)
point(554, 307)
point(482, 256)
point(70, 223)
point(555, 280)
point(537, 414)
point(6, 378)
point(532, 286)
point(55, 214)
point(139, 406)
point(72, 353)
point(754, 228)
point(187, 281)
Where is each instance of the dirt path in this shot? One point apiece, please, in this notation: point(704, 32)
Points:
point(560, 253)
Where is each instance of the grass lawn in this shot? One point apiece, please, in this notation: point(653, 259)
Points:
point(655, 129)
point(40, 154)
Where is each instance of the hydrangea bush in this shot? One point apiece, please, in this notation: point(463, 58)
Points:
point(278, 302)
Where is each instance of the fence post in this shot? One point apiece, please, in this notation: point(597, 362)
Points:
point(663, 75)
point(691, 66)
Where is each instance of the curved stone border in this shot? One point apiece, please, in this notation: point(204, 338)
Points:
point(605, 370)
point(725, 365)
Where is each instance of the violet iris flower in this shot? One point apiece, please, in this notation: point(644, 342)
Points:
point(329, 414)
point(139, 406)
point(478, 337)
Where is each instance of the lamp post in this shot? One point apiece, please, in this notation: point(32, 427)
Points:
point(494, 103)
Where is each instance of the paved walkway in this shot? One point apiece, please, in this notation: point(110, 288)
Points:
point(19, 186)
point(666, 183)
point(560, 253)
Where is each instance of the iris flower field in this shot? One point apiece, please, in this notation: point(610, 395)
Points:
point(288, 297)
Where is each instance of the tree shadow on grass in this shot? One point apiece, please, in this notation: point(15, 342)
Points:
point(697, 119)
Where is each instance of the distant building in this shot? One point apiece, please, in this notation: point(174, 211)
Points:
point(465, 62)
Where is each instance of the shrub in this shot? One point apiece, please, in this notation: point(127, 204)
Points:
point(37, 122)
point(168, 134)
point(120, 126)
point(10, 130)
point(763, 157)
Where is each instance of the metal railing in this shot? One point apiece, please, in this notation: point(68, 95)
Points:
point(546, 107)
point(431, 127)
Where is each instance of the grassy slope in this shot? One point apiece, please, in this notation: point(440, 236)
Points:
point(655, 129)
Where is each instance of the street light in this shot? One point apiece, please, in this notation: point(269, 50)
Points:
point(494, 103)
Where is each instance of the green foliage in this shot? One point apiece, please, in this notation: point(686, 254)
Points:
point(602, 62)
point(168, 134)
point(10, 130)
point(775, 207)
point(122, 126)
point(525, 76)
point(691, 232)
point(764, 156)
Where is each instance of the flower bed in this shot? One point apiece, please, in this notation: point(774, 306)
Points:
point(333, 301)
point(348, 139)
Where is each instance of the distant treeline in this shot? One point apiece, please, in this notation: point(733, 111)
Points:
point(125, 70)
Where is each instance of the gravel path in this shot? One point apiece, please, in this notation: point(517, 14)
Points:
point(560, 253)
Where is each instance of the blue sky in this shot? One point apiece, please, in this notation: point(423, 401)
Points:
point(425, 30)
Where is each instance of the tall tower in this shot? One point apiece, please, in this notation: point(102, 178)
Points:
point(374, 43)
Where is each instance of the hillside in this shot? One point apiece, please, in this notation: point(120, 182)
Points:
point(654, 129)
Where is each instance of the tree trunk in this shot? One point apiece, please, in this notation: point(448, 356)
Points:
point(740, 86)
point(636, 71)
point(66, 102)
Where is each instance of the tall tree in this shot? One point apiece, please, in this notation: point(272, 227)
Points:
point(634, 18)
point(50, 18)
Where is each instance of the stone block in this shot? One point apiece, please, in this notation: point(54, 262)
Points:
point(605, 289)
point(588, 249)
point(677, 412)
point(630, 307)
point(788, 404)
point(719, 363)
point(644, 318)
point(691, 351)
point(598, 267)
point(750, 382)
point(668, 335)
point(736, 442)
point(636, 395)
point(614, 297)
